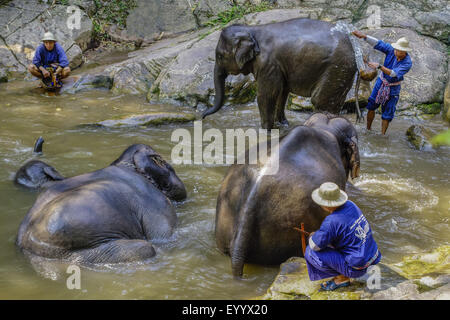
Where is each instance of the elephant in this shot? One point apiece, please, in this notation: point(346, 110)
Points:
point(307, 57)
point(35, 173)
point(256, 213)
point(107, 216)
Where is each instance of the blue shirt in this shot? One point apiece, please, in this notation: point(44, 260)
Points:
point(43, 57)
point(347, 231)
point(400, 67)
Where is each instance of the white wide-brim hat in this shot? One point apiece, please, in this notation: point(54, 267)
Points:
point(48, 36)
point(402, 44)
point(329, 195)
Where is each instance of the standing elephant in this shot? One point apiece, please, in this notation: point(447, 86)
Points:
point(256, 213)
point(106, 216)
point(303, 56)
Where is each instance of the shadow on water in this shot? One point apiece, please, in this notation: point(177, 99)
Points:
point(404, 194)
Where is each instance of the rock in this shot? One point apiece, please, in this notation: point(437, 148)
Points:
point(3, 75)
point(432, 108)
point(23, 23)
point(292, 283)
point(148, 119)
point(298, 103)
point(87, 82)
point(419, 265)
point(446, 113)
point(151, 18)
point(419, 137)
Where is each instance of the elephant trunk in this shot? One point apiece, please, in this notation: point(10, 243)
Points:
point(219, 86)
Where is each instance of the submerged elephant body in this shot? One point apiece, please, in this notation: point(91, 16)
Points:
point(256, 213)
point(307, 57)
point(106, 216)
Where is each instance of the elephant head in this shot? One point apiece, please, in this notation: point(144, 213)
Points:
point(35, 173)
point(147, 162)
point(235, 50)
point(346, 135)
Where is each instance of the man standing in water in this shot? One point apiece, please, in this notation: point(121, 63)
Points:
point(343, 247)
point(49, 54)
point(387, 87)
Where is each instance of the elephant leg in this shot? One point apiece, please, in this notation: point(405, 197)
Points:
point(270, 88)
point(330, 92)
point(281, 103)
point(116, 251)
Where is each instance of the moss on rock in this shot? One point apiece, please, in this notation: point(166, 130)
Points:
point(431, 108)
point(419, 265)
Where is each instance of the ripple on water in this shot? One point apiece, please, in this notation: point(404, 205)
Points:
point(410, 192)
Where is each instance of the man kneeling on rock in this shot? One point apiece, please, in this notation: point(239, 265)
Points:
point(387, 87)
point(343, 247)
point(49, 54)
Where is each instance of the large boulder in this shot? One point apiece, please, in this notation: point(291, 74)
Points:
point(23, 23)
point(446, 112)
point(152, 19)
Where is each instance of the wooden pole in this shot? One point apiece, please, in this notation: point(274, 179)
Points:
point(302, 227)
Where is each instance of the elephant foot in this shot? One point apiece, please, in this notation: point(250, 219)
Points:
point(116, 252)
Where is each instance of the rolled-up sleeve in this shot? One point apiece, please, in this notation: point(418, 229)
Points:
point(62, 57)
point(322, 237)
point(383, 47)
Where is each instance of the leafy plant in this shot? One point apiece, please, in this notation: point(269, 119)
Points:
point(237, 12)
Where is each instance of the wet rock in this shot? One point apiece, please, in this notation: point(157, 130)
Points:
point(419, 265)
point(23, 23)
point(292, 283)
point(3, 75)
point(88, 82)
point(419, 137)
point(446, 113)
point(148, 119)
point(298, 103)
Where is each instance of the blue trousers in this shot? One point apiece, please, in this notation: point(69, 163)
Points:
point(388, 108)
point(328, 263)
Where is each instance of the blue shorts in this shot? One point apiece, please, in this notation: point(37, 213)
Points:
point(387, 109)
point(328, 263)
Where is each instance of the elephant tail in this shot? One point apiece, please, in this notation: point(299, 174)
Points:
point(243, 233)
point(38, 145)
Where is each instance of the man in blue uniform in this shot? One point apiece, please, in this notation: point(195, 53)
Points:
point(387, 87)
point(49, 54)
point(343, 247)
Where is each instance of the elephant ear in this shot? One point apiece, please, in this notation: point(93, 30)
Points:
point(147, 163)
point(246, 49)
point(53, 174)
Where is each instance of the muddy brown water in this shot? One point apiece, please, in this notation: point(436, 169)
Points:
point(403, 192)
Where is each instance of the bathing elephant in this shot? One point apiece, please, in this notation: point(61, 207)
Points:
point(303, 56)
point(256, 213)
point(106, 216)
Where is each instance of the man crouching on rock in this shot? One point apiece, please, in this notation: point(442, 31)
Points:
point(387, 88)
point(49, 54)
point(343, 247)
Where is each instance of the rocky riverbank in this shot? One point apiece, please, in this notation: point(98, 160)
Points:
point(422, 276)
point(177, 41)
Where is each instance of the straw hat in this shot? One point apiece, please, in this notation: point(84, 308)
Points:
point(402, 44)
point(48, 36)
point(329, 195)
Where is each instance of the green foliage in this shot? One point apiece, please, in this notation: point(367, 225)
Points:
point(110, 12)
point(237, 12)
point(441, 139)
point(432, 108)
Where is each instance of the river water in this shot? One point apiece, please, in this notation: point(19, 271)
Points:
point(404, 193)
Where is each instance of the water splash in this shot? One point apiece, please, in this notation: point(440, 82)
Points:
point(408, 191)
